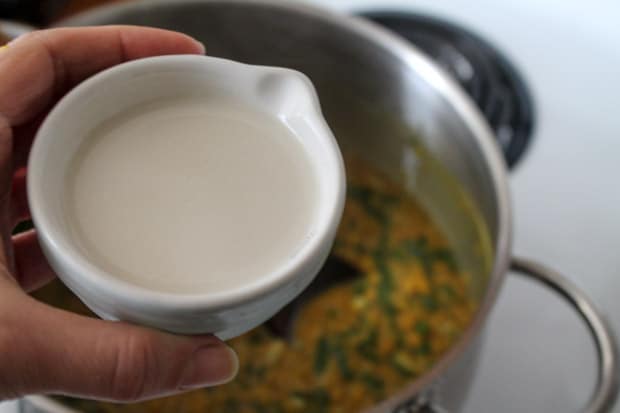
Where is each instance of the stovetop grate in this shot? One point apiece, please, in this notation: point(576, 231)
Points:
point(487, 76)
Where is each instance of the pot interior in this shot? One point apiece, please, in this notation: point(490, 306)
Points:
point(391, 111)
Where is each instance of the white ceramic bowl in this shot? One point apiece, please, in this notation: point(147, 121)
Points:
point(284, 93)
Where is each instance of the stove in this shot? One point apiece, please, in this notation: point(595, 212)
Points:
point(545, 75)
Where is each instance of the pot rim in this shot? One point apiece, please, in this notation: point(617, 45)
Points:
point(449, 90)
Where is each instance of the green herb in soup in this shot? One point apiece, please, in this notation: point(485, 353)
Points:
point(356, 343)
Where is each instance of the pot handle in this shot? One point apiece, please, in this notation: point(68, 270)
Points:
point(606, 389)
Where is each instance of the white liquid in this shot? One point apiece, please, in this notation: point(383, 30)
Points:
point(188, 196)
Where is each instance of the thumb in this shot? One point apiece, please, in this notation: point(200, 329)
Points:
point(53, 351)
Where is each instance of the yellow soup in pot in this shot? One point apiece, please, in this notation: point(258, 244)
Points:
point(356, 342)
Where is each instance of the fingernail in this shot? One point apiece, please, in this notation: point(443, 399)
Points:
point(210, 365)
point(203, 49)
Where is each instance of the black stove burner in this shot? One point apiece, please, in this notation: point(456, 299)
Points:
point(482, 71)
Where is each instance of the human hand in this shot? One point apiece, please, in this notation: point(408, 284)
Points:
point(47, 350)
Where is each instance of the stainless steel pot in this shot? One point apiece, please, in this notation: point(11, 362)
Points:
point(382, 98)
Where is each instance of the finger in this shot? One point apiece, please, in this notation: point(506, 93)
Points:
point(6, 149)
point(24, 136)
point(60, 352)
point(31, 268)
point(42, 65)
point(19, 198)
point(6, 146)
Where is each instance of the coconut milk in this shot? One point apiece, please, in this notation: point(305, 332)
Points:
point(191, 195)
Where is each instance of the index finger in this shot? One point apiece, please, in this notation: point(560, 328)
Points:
point(41, 66)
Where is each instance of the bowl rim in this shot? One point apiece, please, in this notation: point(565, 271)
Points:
point(80, 273)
